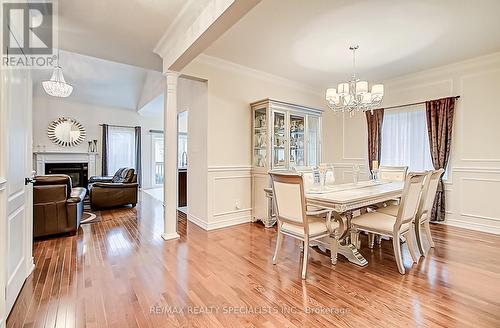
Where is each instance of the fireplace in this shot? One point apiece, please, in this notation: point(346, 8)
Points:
point(77, 171)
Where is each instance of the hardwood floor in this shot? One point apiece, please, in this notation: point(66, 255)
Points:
point(120, 273)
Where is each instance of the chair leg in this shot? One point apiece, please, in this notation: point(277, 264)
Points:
point(334, 247)
point(378, 240)
point(411, 244)
point(418, 235)
point(397, 254)
point(371, 240)
point(278, 245)
point(305, 257)
point(428, 233)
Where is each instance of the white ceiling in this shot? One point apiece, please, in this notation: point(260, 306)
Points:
point(97, 81)
point(118, 30)
point(308, 41)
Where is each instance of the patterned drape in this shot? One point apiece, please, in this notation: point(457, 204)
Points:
point(104, 154)
point(138, 156)
point(374, 123)
point(439, 126)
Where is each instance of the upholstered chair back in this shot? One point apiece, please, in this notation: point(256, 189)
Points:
point(308, 178)
point(393, 173)
point(288, 190)
point(410, 199)
point(309, 175)
point(430, 192)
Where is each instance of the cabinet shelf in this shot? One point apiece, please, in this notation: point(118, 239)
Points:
point(285, 134)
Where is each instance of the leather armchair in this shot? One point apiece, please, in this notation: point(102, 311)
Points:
point(57, 207)
point(119, 190)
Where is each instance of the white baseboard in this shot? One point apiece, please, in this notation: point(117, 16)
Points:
point(473, 225)
point(224, 223)
point(196, 220)
point(229, 222)
point(170, 236)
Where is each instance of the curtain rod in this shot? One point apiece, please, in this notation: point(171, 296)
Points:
point(120, 126)
point(161, 132)
point(412, 104)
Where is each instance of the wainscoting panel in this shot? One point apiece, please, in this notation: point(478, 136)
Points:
point(478, 140)
point(229, 196)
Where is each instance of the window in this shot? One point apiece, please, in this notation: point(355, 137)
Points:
point(182, 150)
point(405, 141)
point(121, 148)
point(158, 164)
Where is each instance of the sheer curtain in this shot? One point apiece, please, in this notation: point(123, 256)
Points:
point(121, 148)
point(405, 141)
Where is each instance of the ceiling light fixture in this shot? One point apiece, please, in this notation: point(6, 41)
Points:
point(354, 95)
point(57, 86)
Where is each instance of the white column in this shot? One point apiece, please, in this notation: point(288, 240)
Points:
point(170, 157)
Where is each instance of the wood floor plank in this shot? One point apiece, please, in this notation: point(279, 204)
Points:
point(118, 272)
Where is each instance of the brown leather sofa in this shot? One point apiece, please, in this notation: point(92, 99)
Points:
point(118, 190)
point(57, 207)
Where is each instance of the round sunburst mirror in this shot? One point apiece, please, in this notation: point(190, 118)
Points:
point(66, 132)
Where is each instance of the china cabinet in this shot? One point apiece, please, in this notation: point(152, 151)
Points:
point(284, 136)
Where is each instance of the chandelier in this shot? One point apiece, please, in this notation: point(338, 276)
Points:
point(354, 95)
point(57, 86)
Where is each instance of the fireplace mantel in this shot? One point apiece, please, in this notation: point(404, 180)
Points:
point(65, 157)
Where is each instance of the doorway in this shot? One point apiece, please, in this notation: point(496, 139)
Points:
point(182, 160)
point(158, 164)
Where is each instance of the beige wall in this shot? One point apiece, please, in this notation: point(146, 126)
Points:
point(46, 109)
point(473, 185)
point(231, 89)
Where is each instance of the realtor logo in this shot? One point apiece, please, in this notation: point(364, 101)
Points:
point(28, 34)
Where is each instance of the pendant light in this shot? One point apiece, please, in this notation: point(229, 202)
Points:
point(57, 86)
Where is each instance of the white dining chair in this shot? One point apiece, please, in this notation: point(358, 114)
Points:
point(395, 226)
point(392, 173)
point(296, 222)
point(422, 220)
point(308, 176)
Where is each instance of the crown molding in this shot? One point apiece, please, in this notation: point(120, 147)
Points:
point(468, 64)
point(159, 48)
point(255, 73)
point(198, 25)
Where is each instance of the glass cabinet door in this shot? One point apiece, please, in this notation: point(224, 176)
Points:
point(313, 136)
point(297, 146)
point(279, 140)
point(260, 137)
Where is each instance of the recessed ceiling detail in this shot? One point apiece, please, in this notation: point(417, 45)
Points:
point(383, 29)
point(305, 41)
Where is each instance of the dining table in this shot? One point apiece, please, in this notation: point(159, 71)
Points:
point(343, 200)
